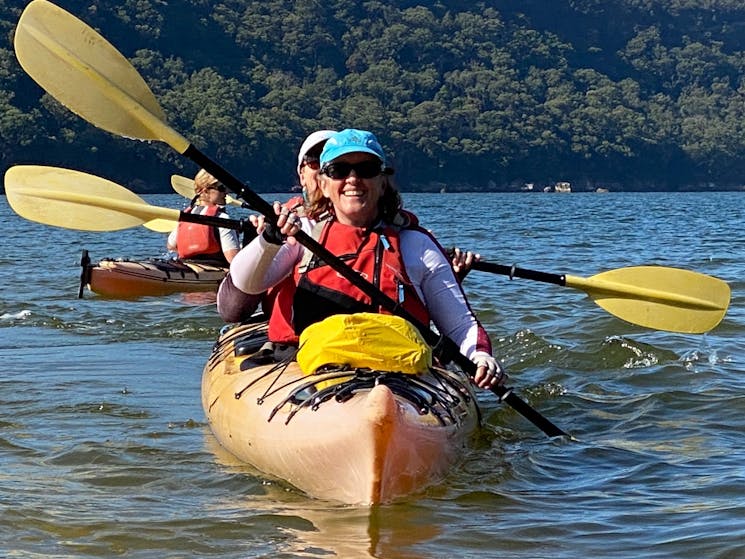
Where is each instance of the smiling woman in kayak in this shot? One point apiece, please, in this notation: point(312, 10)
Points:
point(368, 231)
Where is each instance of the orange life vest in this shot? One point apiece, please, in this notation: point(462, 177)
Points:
point(320, 291)
point(200, 241)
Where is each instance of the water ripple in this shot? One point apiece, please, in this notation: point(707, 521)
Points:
point(105, 450)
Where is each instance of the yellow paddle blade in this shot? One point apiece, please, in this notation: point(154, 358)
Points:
point(76, 200)
point(84, 72)
point(185, 186)
point(659, 297)
point(161, 225)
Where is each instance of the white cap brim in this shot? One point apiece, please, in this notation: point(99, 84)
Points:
point(310, 142)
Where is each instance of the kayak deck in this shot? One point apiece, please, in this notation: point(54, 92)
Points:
point(351, 435)
point(123, 278)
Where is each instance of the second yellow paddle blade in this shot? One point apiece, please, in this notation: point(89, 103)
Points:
point(76, 200)
point(185, 186)
point(658, 297)
point(161, 225)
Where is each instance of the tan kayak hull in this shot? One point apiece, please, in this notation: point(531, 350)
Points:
point(373, 447)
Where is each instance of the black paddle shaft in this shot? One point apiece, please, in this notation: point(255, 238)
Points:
point(515, 272)
point(240, 225)
point(444, 347)
point(237, 224)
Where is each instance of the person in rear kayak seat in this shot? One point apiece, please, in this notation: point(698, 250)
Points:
point(235, 305)
point(205, 243)
point(385, 244)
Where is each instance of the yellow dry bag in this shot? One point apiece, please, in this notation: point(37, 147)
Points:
point(364, 340)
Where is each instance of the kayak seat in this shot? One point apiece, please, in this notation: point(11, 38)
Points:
point(262, 352)
point(251, 345)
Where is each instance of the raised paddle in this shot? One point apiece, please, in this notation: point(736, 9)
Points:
point(185, 186)
point(83, 71)
point(651, 296)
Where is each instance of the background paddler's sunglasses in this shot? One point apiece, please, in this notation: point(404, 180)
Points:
point(364, 169)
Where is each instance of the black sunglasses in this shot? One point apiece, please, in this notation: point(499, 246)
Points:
point(364, 169)
point(312, 162)
point(219, 188)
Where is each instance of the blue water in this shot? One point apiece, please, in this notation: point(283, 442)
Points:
point(104, 449)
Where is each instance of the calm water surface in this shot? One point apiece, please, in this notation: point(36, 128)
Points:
point(104, 448)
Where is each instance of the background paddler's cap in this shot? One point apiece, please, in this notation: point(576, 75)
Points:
point(310, 142)
point(203, 180)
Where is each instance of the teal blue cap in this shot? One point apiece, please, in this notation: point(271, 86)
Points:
point(351, 140)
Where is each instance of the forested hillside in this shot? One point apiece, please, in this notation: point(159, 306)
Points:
point(622, 94)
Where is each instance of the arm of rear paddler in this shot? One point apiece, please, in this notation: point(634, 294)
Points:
point(462, 262)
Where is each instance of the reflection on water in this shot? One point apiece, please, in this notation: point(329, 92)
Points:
point(198, 298)
point(316, 528)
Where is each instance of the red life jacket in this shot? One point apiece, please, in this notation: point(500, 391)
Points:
point(321, 292)
point(199, 241)
point(281, 297)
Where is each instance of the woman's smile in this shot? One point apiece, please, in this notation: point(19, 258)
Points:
point(355, 199)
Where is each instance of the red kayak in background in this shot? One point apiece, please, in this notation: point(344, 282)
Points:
point(122, 278)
